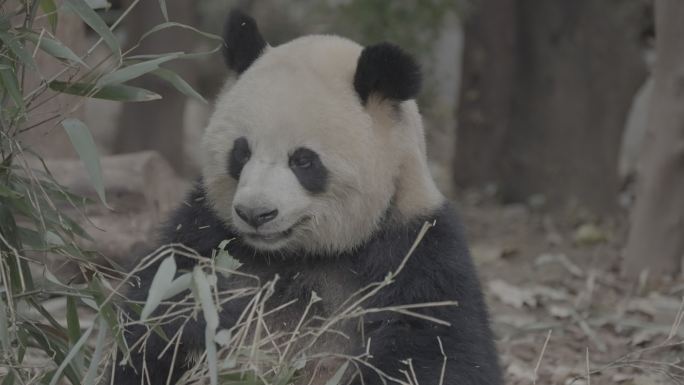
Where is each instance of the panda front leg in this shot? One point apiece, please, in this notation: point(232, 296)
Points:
point(153, 361)
point(417, 351)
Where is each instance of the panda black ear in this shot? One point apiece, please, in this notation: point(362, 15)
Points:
point(243, 43)
point(388, 71)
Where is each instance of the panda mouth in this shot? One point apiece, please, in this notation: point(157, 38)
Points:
point(274, 237)
point(269, 237)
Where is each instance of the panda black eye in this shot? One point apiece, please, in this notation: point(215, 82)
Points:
point(301, 162)
point(239, 156)
point(309, 169)
point(303, 158)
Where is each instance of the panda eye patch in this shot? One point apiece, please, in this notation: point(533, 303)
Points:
point(302, 158)
point(239, 156)
point(309, 170)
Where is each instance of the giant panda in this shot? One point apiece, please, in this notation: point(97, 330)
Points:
point(314, 166)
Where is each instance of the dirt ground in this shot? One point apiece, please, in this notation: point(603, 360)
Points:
point(561, 312)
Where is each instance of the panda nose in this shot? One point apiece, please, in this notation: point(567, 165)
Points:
point(256, 216)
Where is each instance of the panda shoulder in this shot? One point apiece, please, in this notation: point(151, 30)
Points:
point(195, 224)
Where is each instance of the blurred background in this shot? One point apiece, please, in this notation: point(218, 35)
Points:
point(556, 126)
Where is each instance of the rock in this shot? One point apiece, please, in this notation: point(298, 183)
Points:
point(141, 188)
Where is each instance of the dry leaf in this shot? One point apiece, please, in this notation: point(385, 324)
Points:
point(512, 295)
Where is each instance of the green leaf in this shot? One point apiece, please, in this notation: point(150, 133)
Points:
point(211, 318)
point(165, 12)
point(160, 284)
point(54, 48)
point(52, 238)
point(19, 51)
point(172, 24)
point(335, 379)
point(74, 329)
point(26, 272)
point(41, 309)
point(117, 92)
point(75, 349)
point(179, 285)
point(83, 10)
point(225, 263)
point(95, 359)
point(9, 379)
point(51, 277)
point(4, 327)
point(7, 192)
point(106, 311)
point(73, 324)
point(53, 346)
point(50, 9)
point(85, 146)
point(190, 56)
point(178, 83)
point(10, 83)
point(133, 71)
point(8, 227)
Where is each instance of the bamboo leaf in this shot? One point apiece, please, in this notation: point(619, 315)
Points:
point(107, 312)
point(225, 263)
point(9, 82)
point(335, 379)
point(4, 327)
point(73, 324)
point(117, 92)
point(8, 227)
point(53, 346)
point(193, 55)
point(85, 146)
point(211, 318)
point(178, 83)
point(41, 309)
point(74, 329)
point(31, 238)
point(75, 349)
point(54, 48)
point(134, 70)
point(18, 50)
point(9, 379)
point(165, 12)
point(50, 9)
point(95, 359)
point(83, 10)
point(160, 284)
point(172, 24)
point(179, 285)
point(98, 4)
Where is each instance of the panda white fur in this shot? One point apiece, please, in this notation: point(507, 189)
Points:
point(314, 161)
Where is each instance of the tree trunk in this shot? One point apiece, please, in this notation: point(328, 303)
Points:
point(551, 123)
point(656, 237)
point(490, 53)
point(158, 125)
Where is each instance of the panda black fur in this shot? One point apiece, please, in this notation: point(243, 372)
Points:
point(360, 207)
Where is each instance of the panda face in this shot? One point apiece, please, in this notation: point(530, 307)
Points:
point(292, 160)
point(297, 160)
point(265, 220)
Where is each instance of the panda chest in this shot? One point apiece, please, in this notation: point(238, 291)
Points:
point(319, 298)
point(321, 291)
point(324, 298)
